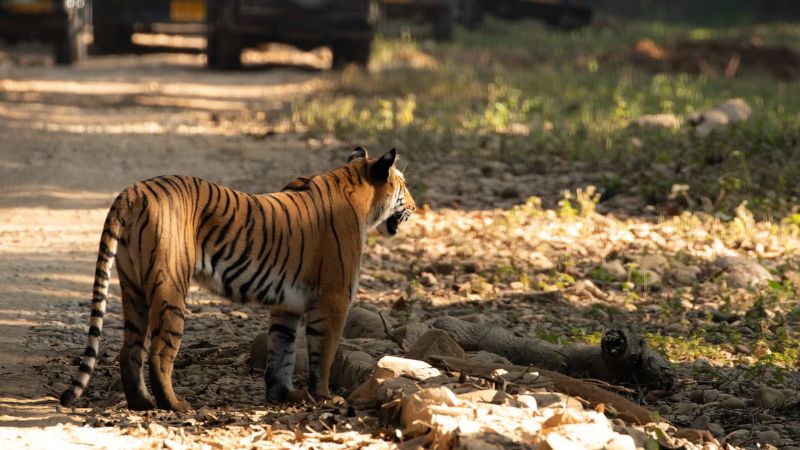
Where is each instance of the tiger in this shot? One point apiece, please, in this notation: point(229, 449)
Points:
point(297, 251)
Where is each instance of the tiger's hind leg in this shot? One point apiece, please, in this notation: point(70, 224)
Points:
point(323, 330)
point(281, 347)
point(131, 357)
point(166, 321)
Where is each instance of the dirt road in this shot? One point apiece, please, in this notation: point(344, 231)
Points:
point(70, 138)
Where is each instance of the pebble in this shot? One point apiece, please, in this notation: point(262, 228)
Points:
point(615, 269)
point(701, 422)
point(771, 436)
point(768, 398)
point(710, 395)
point(716, 429)
point(428, 279)
point(734, 403)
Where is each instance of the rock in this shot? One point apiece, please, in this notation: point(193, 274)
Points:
point(684, 409)
point(410, 333)
point(793, 277)
point(655, 263)
point(695, 436)
point(352, 368)
point(363, 323)
point(394, 387)
point(768, 398)
point(650, 279)
point(686, 275)
point(736, 109)
point(415, 414)
point(615, 269)
point(377, 348)
point(428, 279)
point(620, 442)
point(412, 368)
point(484, 356)
point(734, 403)
point(710, 121)
point(435, 342)
point(556, 400)
point(731, 111)
point(716, 429)
point(769, 437)
point(668, 121)
point(701, 422)
point(710, 395)
point(742, 272)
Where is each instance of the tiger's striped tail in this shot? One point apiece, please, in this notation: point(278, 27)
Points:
point(102, 275)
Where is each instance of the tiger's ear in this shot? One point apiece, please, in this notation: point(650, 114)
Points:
point(381, 168)
point(359, 152)
point(298, 184)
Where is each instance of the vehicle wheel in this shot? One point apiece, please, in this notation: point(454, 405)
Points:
point(70, 46)
point(224, 50)
point(443, 23)
point(110, 39)
point(470, 13)
point(351, 51)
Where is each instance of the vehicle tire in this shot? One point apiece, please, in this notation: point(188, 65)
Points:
point(443, 23)
point(224, 50)
point(351, 52)
point(70, 45)
point(110, 39)
point(470, 13)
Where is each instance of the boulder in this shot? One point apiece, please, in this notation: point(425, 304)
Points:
point(435, 342)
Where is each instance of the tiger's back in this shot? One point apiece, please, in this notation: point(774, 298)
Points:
point(297, 251)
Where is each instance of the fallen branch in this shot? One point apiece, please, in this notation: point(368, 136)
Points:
point(621, 358)
point(588, 391)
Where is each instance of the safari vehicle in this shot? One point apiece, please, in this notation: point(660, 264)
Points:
point(62, 22)
point(115, 21)
point(346, 26)
point(566, 14)
point(441, 14)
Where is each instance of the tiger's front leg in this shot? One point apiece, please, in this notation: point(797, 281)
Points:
point(281, 349)
point(324, 328)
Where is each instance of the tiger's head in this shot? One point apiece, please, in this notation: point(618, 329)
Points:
point(392, 203)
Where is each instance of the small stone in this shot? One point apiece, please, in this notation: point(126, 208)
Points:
point(655, 263)
point(428, 279)
point(517, 285)
point(742, 272)
point(615, 269)
point(701, 422)
point(737, 436)
point(686, 275)
point(734, 403)
point(650, 279)
point(716, 429)
point(435, 342)
point(364, 323)
point(768, 398)
point(411, 368)
point(710, 395)
point(684, 409)
point(770, 437)
point(695, 436)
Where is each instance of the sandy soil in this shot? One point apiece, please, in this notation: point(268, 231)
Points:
point(70, 138)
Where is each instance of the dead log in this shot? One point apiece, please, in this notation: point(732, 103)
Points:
point(587, 390)
point(622, 357)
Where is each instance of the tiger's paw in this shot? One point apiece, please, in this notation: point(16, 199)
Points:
point(176, 404)
point(299, 396)
point(141, 404)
